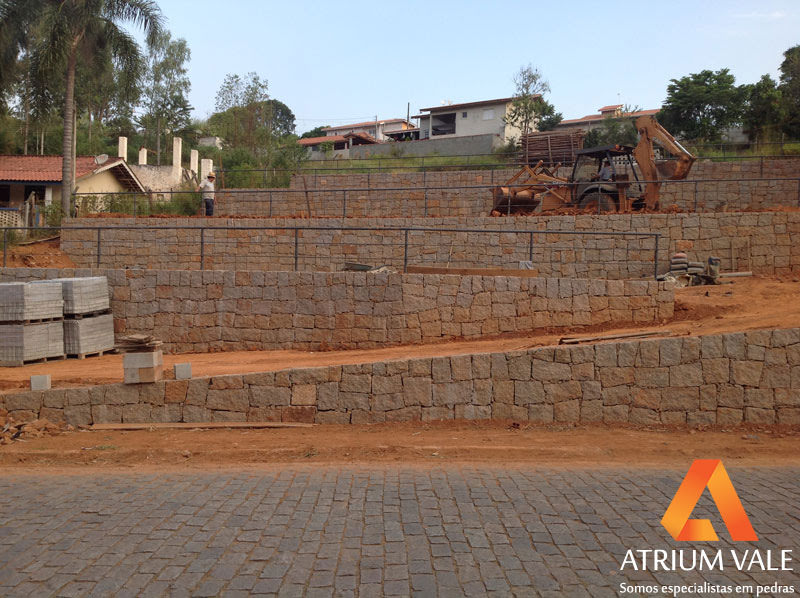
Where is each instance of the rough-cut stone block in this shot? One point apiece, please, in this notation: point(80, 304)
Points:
point(182, 371)
point(40, 382)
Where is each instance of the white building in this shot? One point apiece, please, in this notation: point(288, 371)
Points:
point(468, 119)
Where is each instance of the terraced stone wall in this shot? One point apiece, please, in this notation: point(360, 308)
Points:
point(192, 311)
point(757, 241)
point(724, 380)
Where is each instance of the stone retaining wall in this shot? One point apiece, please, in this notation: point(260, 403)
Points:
point(217, 310)
point(758, 241)
point(724, 380)
point(421, 194)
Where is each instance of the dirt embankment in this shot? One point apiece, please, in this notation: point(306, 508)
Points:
point(407, 444)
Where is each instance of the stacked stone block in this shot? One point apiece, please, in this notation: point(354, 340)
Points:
point(724, 380)
point(217, 310)
point(30, 322)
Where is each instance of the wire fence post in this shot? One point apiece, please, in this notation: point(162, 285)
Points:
point(5, 245)
point(99, 233)
point(695, 196)
point(270, 204)
point(530, 246)
point(344, 203)
point(202, 248)
point(405, 251)
point(655, 255)
point(296, 248)
point(134, 205)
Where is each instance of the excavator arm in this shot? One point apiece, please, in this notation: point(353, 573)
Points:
point(651, 131)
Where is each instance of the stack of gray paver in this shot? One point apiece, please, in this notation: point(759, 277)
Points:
point(31, 326)
point(88, 323)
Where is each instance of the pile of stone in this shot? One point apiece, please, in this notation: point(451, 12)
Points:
point(84, 296)
point(89, 335)
point(679, 264)
point(11, 431)
point(31, 327)
point(143, 360)
point(88, 324)
point(24, 302)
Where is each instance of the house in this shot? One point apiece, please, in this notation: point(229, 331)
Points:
point(469, 119)
point(377, 129)
point(41, 175)
point(340, 144)
point(592, 121)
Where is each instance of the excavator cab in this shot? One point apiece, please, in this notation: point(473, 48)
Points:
point(602, 191)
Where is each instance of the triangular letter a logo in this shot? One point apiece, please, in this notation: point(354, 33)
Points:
point(711, 473)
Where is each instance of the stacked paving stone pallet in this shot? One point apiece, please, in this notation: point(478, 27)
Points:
point(30, 322)
point(88, 324)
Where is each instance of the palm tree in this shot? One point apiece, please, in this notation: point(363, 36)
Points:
point(65, 32)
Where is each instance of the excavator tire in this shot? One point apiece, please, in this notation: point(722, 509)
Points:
point(602, 203)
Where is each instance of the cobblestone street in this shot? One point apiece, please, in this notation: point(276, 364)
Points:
point(365, 531)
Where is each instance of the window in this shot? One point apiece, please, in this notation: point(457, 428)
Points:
point(5, 195)
point(443, 124)
point(463, 115)
point(488, 114)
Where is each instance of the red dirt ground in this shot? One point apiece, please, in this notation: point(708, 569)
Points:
point(407, 444)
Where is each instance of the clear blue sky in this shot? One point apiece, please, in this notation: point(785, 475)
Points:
point(340, 62)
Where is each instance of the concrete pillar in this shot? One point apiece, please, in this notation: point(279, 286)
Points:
point(143, 156)
point(194, 157)
point(177, 148)
point(122, 148)
point(206, 166)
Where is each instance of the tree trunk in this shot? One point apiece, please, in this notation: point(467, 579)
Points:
point(158, 141)
point(67, 180)
point(27, 121)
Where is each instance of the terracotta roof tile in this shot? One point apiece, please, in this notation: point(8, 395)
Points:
point(42, 168)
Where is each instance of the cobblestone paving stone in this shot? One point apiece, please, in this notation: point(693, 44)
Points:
point(348, 531)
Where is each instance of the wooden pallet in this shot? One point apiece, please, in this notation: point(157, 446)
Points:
point(34, 321)
point(16, 364)
point(92, 354)
point(90, 314)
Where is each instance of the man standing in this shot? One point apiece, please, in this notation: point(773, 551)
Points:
point(207, 187)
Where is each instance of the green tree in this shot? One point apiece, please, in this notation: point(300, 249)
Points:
point(548, 118)
point(790, 91)
point(526, 105)
point(70, 32)
point(166, 88)
point(763, 112)
point(243, 116)
point(615, 130)
point(702, 105)
point(315, 132)
point(282, 118)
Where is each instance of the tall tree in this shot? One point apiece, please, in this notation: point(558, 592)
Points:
point(167, 87)
point(244, 114)
point(790, 91)
point(702, 105)
point(763, 112)
point(528, 106)
point(69, 32)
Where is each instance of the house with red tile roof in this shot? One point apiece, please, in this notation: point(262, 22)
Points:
point(592, 121)
point(21, 176)
point(376, 129)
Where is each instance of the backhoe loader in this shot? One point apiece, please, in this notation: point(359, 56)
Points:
point(593, 187)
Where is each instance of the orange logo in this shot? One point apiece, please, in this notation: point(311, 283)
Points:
point(711, 473)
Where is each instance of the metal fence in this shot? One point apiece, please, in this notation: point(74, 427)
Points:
point(697, 195)
point(602, 254)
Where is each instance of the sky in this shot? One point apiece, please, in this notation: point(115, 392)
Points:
point(342, 62)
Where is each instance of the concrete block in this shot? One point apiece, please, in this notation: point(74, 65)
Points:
point(182, 371)
point(143, 375)
point(40, 382)
point(142, 360)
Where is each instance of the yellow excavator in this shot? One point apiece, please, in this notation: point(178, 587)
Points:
point(601, 177)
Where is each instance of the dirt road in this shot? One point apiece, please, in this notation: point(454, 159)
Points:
point(746, 304)
point(414, 443)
